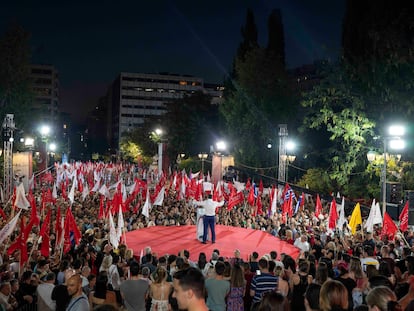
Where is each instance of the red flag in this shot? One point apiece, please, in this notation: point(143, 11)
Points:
point(259, 206)
point(70, 226)
point(20, 244)
point(287, 205)
point(33, 217)
point(44, 233)
point(248, 184)
point(260, 186)
point(389, 228)
point(333, 215)
point(302, 201)
point(404, 218)
point(101, 207)
point(250, 198)
point(3, 214)
point(318, 207)
point(234, 199)
point(80, 185)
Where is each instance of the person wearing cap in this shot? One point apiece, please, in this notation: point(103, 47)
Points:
point(44, 293)
point(209, 219)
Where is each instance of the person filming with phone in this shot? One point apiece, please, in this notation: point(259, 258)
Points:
point(262, 282)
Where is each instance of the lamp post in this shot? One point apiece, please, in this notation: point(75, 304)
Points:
point(289, 157)
point(220, 148)
point(44, 132)
point(160, 149)
point(395, 142)
point(202, 157)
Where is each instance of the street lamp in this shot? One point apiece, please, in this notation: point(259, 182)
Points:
point(202, 157)
point(393, 141)
point(221, 145)
point(159, 133)
point(44, 132)
point(289, 157)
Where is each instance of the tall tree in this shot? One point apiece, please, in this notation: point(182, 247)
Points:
point(190, 123)
point(249, 34)
point(378, 47)
point(276, 43)
point(334, 107)
point(15, 87)
point(260, 96)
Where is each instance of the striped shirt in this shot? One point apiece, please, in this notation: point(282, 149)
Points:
point(265, 282)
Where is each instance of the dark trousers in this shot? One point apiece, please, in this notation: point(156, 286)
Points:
point(209, 221)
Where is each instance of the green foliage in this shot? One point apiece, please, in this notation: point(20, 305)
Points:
point(260, 100)
point(130, 151)
point(333, 107)
point(316, 179)
point(143, 137)
point(15, 93)
point(407, 178)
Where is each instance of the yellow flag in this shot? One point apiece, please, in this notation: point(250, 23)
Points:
point(356, 218)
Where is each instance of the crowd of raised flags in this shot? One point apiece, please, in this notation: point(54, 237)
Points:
point(122, 188)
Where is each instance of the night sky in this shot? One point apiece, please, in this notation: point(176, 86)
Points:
point(91, 42)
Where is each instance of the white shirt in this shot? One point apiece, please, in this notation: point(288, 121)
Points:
point(44, 294)
point(209, 205)
point(304, 246)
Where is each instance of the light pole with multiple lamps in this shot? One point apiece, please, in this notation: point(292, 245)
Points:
point(159, 133)
point(393, 141)
point(44, 133)
point(202, 156)
point(288, 158)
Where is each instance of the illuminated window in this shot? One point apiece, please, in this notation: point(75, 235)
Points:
point(183, 83)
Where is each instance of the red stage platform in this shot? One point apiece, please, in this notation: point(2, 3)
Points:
point(171, 240)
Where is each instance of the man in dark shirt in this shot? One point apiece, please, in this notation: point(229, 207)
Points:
point(317, 248)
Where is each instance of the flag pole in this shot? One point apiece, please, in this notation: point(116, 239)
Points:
point(403, 237)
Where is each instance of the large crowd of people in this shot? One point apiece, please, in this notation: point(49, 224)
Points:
point(336, 270)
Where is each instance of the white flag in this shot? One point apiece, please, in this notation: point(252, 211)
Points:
point(160, 197)
point(377, 214)
point(21, 201)
point(120, 224)
point(71, 195)
point(239, 185)
point(96, 186)
point(369, 224)
point(9, 227)
point(112, 232)
point(54, 191)
point(85, 192)
point(274, 202)
point(105, 192)
point(341, 220)
point(147, 206)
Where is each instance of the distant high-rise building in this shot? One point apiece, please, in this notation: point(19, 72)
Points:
point(133, 97)
point(45, 85)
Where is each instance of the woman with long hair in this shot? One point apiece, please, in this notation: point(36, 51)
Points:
point(102, 295)
point(160, 289)
point(237, 289)
point(382, 298)
point(273, 301)
point(333, 296)
point(321, 275)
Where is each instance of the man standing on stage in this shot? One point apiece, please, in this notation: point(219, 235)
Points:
point(209, 219)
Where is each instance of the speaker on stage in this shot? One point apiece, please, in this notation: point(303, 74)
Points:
point(409, 196)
